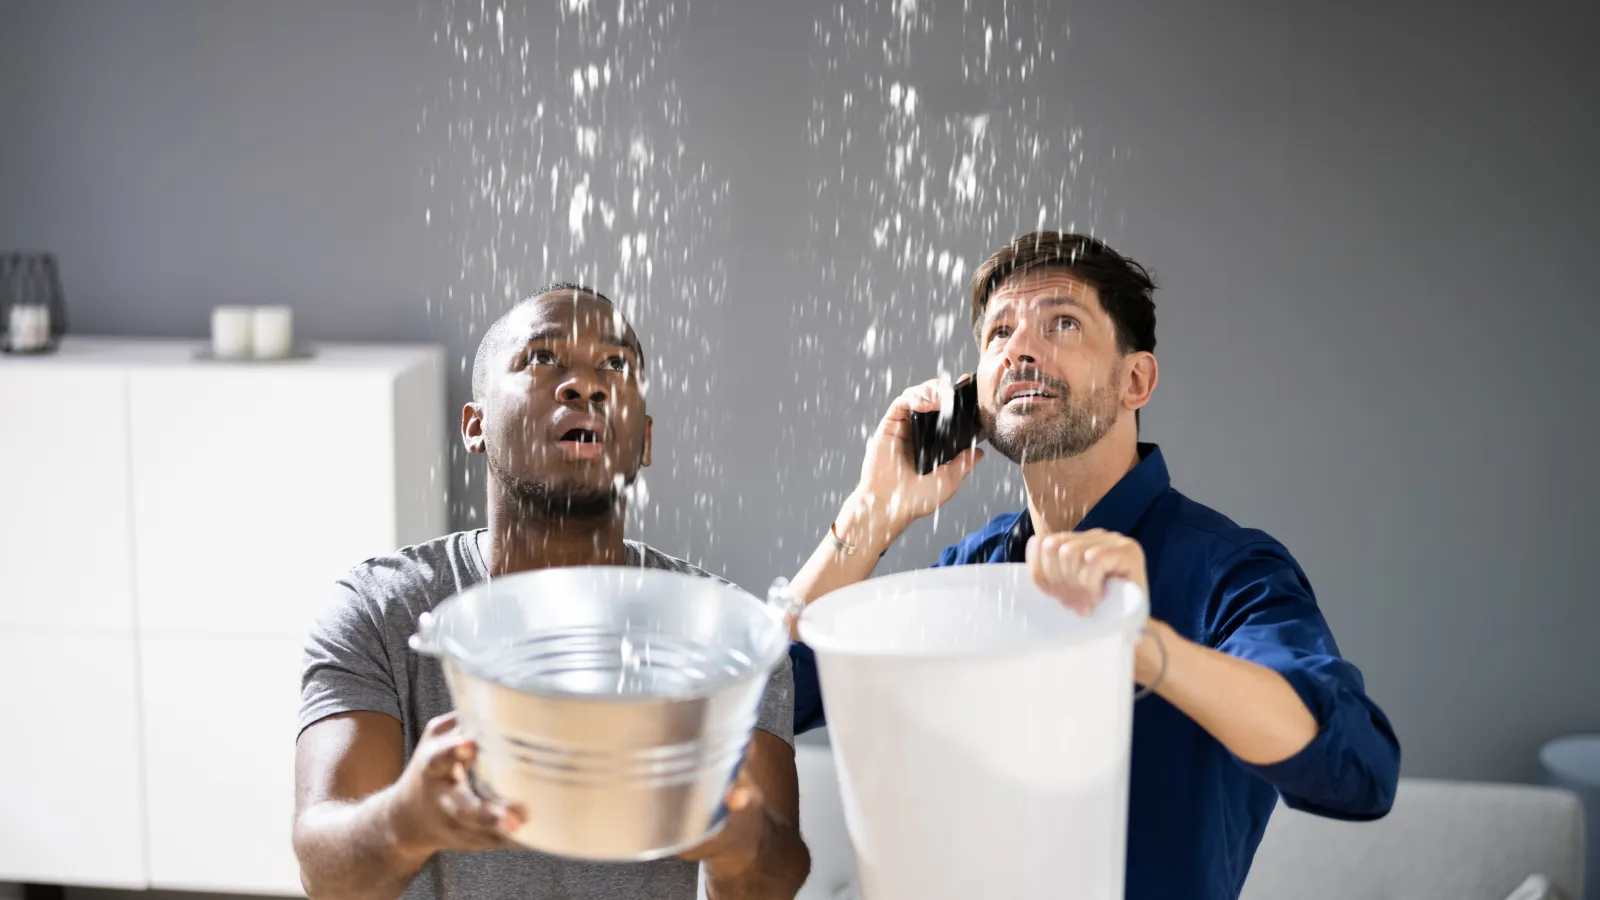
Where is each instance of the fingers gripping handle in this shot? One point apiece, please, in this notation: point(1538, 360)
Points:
point(1120, 594)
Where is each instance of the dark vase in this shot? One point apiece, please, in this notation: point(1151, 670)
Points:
point(33, 313)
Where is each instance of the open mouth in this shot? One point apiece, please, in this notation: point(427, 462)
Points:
point(1026, 392)
point(582, 444)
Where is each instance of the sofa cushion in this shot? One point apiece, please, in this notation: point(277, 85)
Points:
point(1444, 840)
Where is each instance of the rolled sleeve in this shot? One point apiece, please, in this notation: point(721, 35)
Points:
point(1265, 612)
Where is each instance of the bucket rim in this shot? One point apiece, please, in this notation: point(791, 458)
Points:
point(451, 653)
point(1126, 609)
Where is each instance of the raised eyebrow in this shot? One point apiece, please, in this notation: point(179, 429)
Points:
point(613, 340)
point(1064, 300)
point(990, 314)
point(565, 334)
point(1051, 301)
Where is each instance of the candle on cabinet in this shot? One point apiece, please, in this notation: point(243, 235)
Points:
point(29, 327)
point(273, 332)
point(231, 332)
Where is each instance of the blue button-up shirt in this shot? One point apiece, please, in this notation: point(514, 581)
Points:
point(1196, 812)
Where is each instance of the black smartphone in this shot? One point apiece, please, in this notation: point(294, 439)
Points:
point(939, 436)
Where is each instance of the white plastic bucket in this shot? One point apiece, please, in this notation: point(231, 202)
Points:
point(981, 732)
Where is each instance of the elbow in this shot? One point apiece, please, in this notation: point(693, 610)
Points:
point(801, 869)
point(308, 885)
point(1350, 771)
point(777, 873)
point(1385, 800)
point(318, 888)
point(305, 841)
point(1385, 779)
point(788, 878)
point(1361, 787)
point(1371, 798)
point(1370, 802)
point(1381, 766)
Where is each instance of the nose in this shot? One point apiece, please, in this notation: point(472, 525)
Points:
point(581, 387)
point(1022, 346)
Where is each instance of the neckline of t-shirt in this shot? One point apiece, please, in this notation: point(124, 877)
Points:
point(637, 555)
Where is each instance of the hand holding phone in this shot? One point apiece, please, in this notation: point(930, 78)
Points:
point(939, 436)
point(916, 460)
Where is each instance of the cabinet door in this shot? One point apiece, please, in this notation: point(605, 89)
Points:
point(72, 789)
point(64, 529)
point(219, 762)
point(254, 488)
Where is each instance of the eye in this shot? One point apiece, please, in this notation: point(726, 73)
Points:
point(615, 364)
point(1000, 333)
point(1066, 323)
point(543, 357)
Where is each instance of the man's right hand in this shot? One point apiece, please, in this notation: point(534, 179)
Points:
point(434, 807)
point(891, 495)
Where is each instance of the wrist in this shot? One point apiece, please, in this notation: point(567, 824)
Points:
point(402, 825)
point(1153, 656)
point(865, 523)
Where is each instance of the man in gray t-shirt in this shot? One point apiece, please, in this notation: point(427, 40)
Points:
point(382, 807)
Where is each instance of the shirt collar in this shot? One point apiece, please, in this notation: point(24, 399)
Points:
point(1119, 510)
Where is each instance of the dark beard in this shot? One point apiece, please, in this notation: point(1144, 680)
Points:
point(547, 500)
point(1073, 430)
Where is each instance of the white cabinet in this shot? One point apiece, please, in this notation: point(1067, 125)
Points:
point(70, 771)
point(250, 492)
point(65, 546)
point(166, 530)
point(219, 726)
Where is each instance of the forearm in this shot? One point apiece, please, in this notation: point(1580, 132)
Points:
point(869, 530)
point(348, 850)
point(778, 871)
point(1248, 708)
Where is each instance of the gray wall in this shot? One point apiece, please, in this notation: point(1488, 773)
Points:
point(1372, 234)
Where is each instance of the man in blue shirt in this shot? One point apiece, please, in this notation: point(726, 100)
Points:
point(1252, 698)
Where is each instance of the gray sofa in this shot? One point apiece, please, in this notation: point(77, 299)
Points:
point(1443, 841)
point(1448, 840)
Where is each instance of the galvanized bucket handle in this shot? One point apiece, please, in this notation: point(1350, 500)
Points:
point(785, 601)
point(425, 641)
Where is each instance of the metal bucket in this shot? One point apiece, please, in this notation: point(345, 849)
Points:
point(613, 703)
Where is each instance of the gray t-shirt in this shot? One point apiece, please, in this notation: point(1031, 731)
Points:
point(357, 659)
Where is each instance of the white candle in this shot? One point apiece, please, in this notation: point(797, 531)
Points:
point(230, 332)
point(29, 326)
point(273, 332)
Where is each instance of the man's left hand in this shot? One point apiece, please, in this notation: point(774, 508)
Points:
point(1073, 566)
point(736, 847)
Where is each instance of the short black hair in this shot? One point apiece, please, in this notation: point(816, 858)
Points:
point(1125, 287)
point(496, 332)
